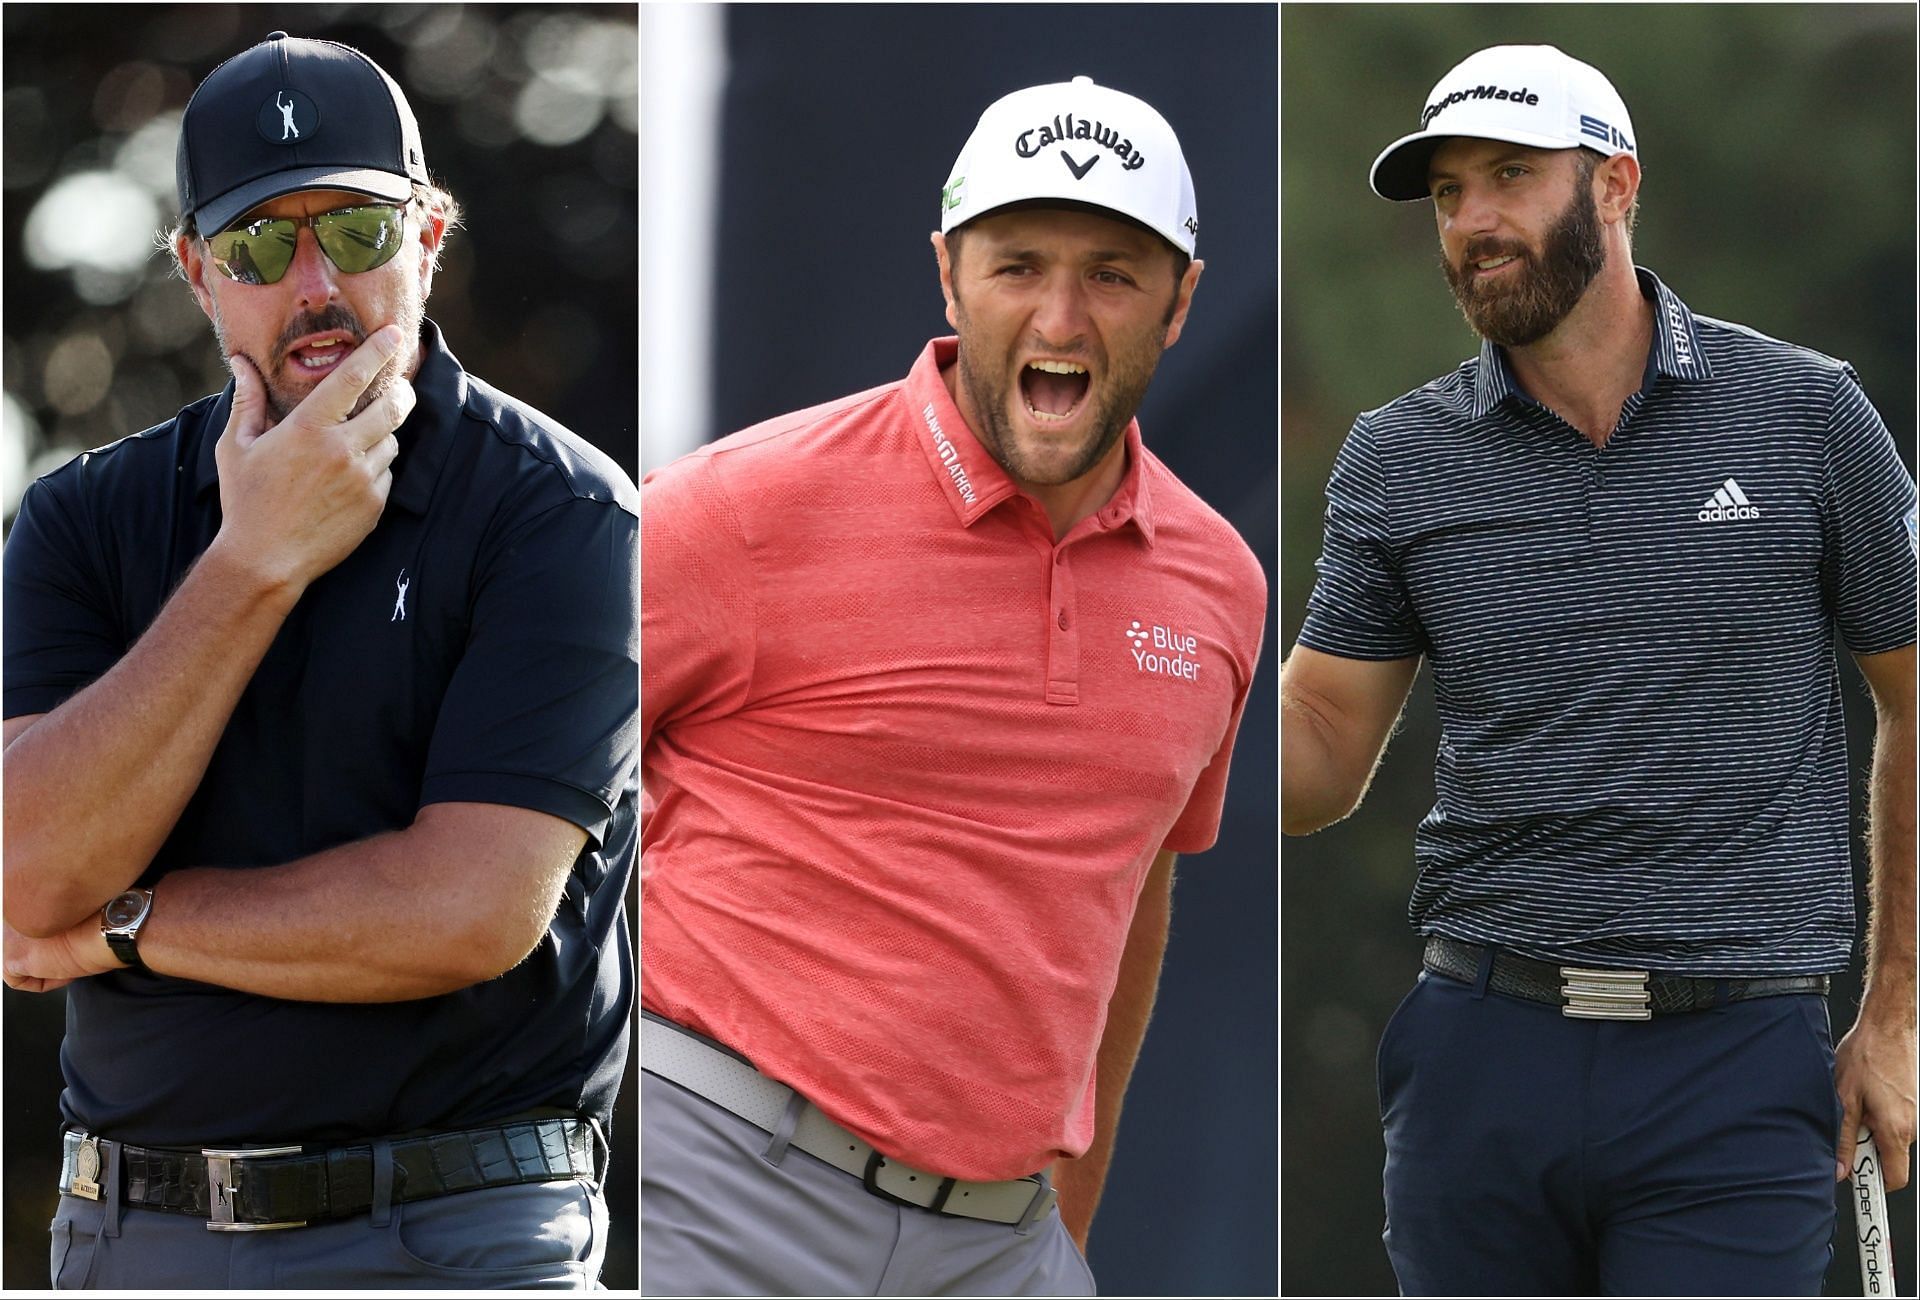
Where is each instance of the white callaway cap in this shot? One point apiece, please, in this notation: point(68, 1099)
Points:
point(1523, 94)
point(1080, 143)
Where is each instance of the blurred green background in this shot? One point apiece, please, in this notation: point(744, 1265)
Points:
point(1777, 145)
point(528, 113)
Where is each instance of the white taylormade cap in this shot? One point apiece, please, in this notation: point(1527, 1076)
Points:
point(1523, 94)
point(1081, 143)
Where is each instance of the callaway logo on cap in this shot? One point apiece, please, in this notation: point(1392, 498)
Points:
point(1524, 94)
point(293, 114)
point(1081, 143)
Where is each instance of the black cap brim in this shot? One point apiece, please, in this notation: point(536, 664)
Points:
point(217, 214)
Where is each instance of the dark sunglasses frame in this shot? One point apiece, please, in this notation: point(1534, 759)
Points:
point(247, 251)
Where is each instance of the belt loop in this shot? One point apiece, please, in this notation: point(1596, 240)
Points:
point(1720, 993)
point(1485, 972)
point(382, 1183)
point(783, 1133)
point(110, 1226)
point(602, 1154)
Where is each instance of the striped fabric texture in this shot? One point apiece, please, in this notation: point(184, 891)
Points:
point(1642, 760)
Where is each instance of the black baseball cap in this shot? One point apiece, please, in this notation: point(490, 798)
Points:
point(293, 114)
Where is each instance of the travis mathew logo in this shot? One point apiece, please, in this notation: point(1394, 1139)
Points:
point(949, 455)
point(1445, 102)
point(1164, 652)
point(1035, 138)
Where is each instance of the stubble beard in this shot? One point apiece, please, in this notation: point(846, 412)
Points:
point(281, 397)
point(1548, 286)
point(993, 395)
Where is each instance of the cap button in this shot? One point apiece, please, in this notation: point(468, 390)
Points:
point(276, 36)
point(1083, 81)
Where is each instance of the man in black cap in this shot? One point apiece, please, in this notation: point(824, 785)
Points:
point(321, 756)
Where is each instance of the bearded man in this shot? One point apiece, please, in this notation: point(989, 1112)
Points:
point(939, 678)
point(1623, 536)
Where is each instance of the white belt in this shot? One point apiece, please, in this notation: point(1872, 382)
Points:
point(734, 1085)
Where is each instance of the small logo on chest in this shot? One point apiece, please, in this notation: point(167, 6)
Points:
point(400, 585)
point(1728, 503)
point(1163, 652)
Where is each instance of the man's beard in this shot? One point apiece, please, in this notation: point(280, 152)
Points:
point(281, 399)
point(1530, 304)
point(1124, 386)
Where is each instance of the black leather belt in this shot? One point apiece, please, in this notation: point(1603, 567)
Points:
point(1603, 993)
point(240, 1190)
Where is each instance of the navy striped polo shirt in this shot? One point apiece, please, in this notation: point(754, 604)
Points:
point(1641, 758)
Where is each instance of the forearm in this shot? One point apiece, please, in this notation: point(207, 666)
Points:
point(459, 897)
point(1317, 786)
point(1307, 798)
point(94, 787)
point(1335, 717)
point(1081, 1180)
point(1890, 967)
point(340, 926)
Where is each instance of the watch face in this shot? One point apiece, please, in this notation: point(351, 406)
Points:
point(126, 909)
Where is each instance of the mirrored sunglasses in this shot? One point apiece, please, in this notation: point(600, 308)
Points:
point(354, 239)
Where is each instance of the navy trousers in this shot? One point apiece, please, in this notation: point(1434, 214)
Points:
point(1529, 1153)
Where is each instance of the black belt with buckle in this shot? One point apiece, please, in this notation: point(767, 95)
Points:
point(247, 1189)
point(1604, 993)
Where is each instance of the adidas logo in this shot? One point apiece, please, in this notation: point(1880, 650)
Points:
point(1728, 503)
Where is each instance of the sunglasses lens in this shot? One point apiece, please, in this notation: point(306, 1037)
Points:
point(256, 253)
point(359, 239)
point(355, 239)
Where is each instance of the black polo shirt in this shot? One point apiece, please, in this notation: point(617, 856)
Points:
point(1641, 759)
point(480, 645)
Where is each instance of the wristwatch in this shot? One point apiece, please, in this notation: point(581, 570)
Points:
point(120, 922)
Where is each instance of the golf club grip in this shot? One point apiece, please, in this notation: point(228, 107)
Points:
point(1870, 1219)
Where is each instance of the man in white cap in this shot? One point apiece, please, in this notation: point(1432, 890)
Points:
point(939, 678)
point(1623, 536)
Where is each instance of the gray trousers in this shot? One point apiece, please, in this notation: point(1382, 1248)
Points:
point(547, 1236)
point(717, 1218)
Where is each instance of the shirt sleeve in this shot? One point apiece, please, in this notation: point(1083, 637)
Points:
point(542, 711)
point(61, 628)
point(698, 613)
point(1198, 825)
point(1870, 533)
point(1359, 607)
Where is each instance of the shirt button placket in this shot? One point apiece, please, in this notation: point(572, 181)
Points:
point(1063, 637)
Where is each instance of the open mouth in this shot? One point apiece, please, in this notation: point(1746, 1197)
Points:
point(318, 356)
point(1054, 390)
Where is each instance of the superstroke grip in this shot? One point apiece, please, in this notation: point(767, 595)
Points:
point(1870, 1218)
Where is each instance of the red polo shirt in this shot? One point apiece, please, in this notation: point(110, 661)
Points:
point(906, 761)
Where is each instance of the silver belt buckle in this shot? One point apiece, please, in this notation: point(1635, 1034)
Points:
point(1605, 994)
point(86, 1169)
point(222, 1183)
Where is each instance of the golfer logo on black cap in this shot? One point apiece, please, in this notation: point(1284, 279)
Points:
point(288, 118)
